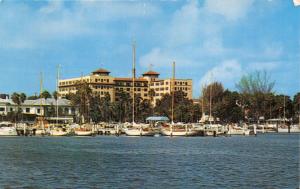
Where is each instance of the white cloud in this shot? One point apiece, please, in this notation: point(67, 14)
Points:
point(227, 72)
point(231, 9)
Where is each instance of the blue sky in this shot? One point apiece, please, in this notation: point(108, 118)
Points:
point(208, 39)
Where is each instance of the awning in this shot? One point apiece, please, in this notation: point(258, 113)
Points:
point(157, 118)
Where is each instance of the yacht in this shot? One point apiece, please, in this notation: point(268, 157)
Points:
point(7, 129)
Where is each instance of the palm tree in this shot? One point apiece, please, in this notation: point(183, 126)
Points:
point(18, 99)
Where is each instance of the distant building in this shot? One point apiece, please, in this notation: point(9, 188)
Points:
point(102, 83)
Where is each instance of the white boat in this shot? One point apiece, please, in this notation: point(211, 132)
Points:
point(293, 129)
point(238, 131)
point(59, 132)
point(214, 129)
point(7, 129)
point(139, 130)
point(235, 130)
point(83, 132)
point(178, 130)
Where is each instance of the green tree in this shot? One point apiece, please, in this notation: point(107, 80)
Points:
point(18, 99)
point(296, 108)
point(82, 99)
point(55, 95)
point(45, 94)
point(255, 89)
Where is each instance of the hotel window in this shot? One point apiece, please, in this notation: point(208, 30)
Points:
point(128, 89)
point(139, 89)
point(157, 84)
point(145, 95)
point(167, 83)
point(167, 88)
point(38, 111)
point(108, 81)
point(2, 109)
point(145, 89)
point(27, 110)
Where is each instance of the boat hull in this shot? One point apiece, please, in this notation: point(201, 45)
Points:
point(59, 133)
point(83, 133)
point(285, 130)
point(138, 132)
point(8, 131)
point(178, 133)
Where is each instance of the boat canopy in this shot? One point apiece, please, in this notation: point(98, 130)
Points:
point(157, 118)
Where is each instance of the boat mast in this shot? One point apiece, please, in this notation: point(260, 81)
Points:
point(210, 100)
point(57, 84)
point(284, 109)
point(41, 101)
point(133, 80)
point(173, 91)
point(202, 103)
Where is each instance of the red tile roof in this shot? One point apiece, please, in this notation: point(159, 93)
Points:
point(151, 73)
point(101, 70)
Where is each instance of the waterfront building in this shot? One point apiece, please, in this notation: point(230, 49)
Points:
point(148, 86)
point(40, 107)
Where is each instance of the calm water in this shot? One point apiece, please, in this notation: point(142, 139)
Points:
point(269, 161)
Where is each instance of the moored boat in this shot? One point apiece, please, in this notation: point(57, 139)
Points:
point(7, 129)
point(139, 130)
point(178, 130)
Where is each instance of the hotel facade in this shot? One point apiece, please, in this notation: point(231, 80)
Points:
point(102, 83)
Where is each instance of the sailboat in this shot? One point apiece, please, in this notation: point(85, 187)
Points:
point(135, 129)
point(58, 130)
point(40, 121)
point(176, 129)
point(212, 128)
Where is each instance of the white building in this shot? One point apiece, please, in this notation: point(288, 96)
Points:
point(40, 107)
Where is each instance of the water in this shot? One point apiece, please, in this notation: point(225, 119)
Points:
point(269, 161)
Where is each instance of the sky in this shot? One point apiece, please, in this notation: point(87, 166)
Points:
point(210, 40)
